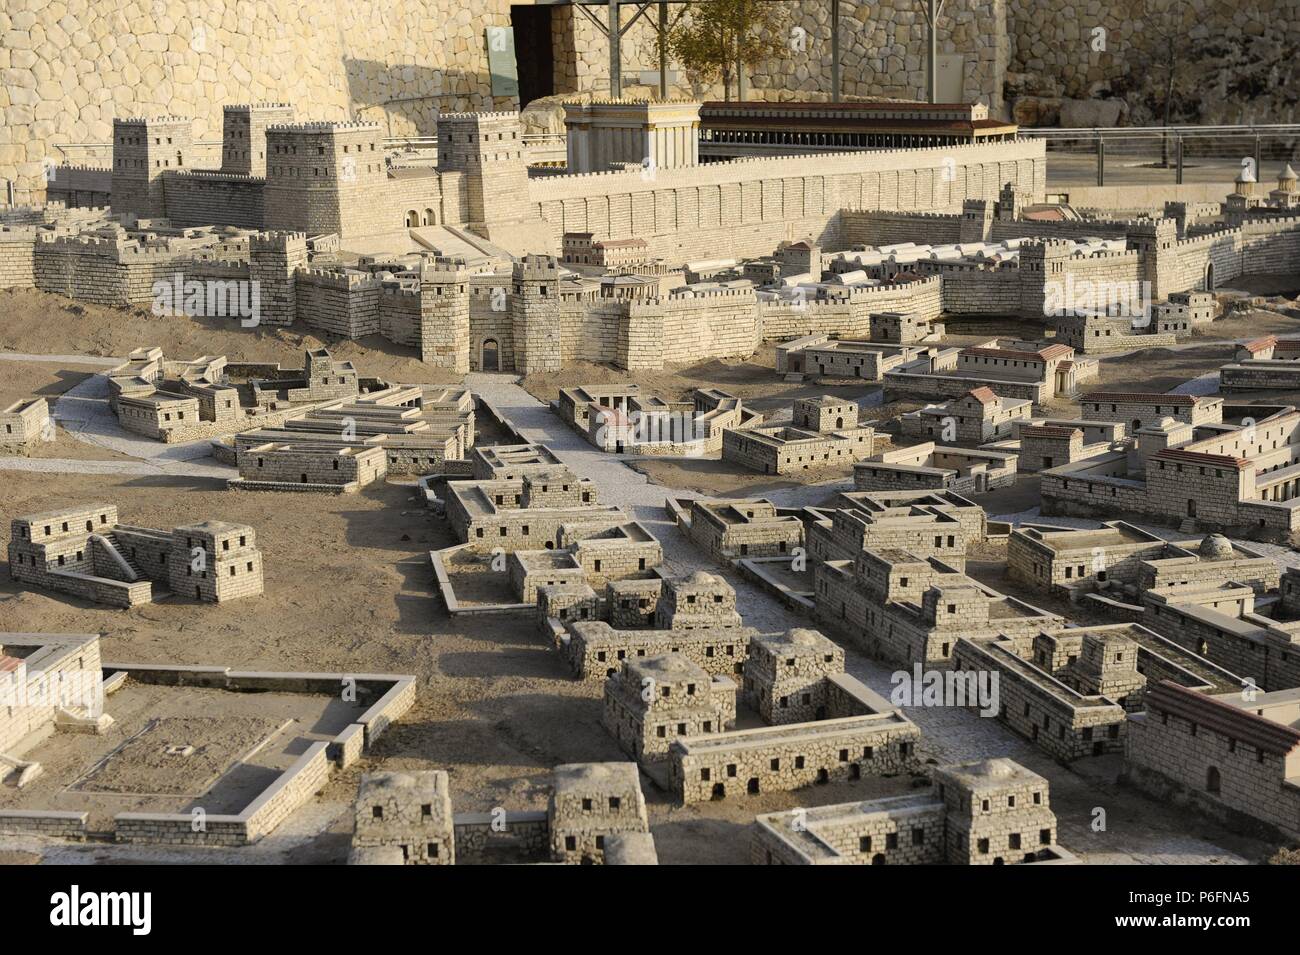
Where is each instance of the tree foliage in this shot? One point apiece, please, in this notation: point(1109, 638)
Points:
point(712, 39)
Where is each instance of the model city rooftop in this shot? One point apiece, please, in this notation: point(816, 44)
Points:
point(776, 467)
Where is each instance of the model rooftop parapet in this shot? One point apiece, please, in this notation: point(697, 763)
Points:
point(408, 813)
point(992, 812)
point(88, 553)
point(654, 700)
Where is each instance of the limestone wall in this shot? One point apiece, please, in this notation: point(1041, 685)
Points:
point(1181, 756)
point(70, 67)
point(1055, 40)
point(200, 198)
point(781, 758)
point(747, 206)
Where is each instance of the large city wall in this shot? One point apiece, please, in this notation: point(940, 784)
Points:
point(747, 207)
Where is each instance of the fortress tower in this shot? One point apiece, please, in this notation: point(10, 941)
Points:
point(143, 150)
point(274, 257)
point(535, 314)
point(444, 314)
point(243, 135)
point(327, 177)
point(1045, 261)
point(487, 149)
point(976, 221)
point(1011, 202)
point(1155, 240)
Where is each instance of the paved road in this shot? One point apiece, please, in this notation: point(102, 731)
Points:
point(954, 734)
point(84, 413)
point(95, 360)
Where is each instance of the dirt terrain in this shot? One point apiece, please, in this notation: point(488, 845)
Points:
point(718, 478)
point(753, 379)
point(20, 380)
point(39, 323)
point(348, 587)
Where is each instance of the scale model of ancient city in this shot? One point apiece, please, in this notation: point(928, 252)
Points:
point(448, 435)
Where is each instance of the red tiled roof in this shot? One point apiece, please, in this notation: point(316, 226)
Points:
point(983, 394)
point(1259, 344)
point(1044, 215)
point(1223, 718)
point(620, 243)
point(10, 664)
point(1141, 397)
point(1046, 353)
point(1002, 353)
point(1051, 431)
point(1200, 457)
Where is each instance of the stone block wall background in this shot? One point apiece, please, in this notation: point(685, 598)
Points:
point(70, 66)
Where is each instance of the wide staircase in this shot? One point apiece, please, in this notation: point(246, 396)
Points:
point(119, 555)
point(456, 242)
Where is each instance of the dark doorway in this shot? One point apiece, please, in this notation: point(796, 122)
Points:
point(491, 356)
point(534, 52)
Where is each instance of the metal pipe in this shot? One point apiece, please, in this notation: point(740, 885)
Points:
point(663, 50)
point(615, 54)
point(835, 51)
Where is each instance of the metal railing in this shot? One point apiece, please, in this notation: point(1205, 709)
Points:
point(1172, 146)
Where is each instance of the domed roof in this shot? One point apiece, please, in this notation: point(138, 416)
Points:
point(1216, 546)
point(999, 768)
point(702, 578)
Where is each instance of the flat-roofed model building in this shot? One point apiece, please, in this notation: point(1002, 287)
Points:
point(1234, 755)
point(992, 812)
point(654, 700)
point(936, 467)
point(785, 673)
point(727, 530)
point(404, 817)
point(924, 523)
point(322, 469)
point(526, 513)
point(86, 552)
point(24, 424)
point(590, 804)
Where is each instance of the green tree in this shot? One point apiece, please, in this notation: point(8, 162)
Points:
point(714, 39)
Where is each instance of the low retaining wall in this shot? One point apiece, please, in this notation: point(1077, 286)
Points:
point(295, 786)
point(480, 835)
point(40, 822)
